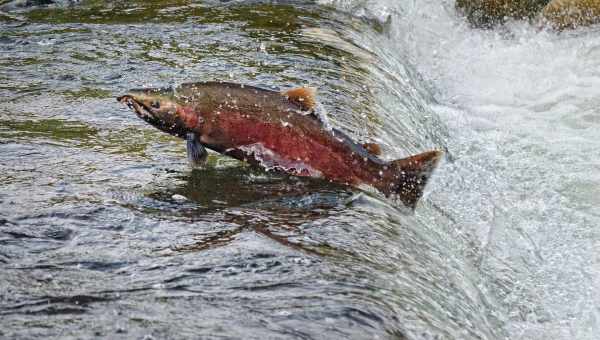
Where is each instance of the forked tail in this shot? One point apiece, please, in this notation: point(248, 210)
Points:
point(406, 178)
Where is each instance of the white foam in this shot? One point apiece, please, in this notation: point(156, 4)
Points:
point(271, 160)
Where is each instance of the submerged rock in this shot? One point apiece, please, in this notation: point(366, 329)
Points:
point(563, 14)
point(559, 14)
point(20, 4)
point(487, 13)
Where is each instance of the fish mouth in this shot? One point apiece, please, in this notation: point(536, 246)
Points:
point(139, 108)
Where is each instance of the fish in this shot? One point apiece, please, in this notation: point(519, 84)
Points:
point(277, 131)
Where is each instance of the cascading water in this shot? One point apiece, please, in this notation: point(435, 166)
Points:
point(521, 106)
point(104, 230)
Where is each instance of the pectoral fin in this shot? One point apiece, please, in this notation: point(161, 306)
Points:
point(196, 153)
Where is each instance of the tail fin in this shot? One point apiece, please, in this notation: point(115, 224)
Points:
point(407, 177)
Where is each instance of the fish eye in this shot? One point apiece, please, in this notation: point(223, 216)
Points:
point(155, 104)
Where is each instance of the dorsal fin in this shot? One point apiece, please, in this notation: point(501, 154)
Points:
point(303, 97)
point(373, 148)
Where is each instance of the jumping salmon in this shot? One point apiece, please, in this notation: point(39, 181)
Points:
point(276, 131)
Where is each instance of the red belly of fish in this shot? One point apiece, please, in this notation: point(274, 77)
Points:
point(290, 145)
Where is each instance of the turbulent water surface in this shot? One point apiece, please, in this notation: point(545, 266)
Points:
point(106, 232)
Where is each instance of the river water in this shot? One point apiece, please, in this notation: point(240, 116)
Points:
point(106, 232)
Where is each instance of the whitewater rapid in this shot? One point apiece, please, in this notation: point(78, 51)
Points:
point(521, 105)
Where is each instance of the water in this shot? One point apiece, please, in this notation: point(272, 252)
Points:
point(106, 232)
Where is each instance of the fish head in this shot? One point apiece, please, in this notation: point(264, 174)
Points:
point(157, 106)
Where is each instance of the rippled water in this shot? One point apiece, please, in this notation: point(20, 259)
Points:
point(105, 231)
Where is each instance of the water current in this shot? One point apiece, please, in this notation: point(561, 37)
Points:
point(105, 231)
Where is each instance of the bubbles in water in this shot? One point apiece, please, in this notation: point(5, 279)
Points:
point(178, 197)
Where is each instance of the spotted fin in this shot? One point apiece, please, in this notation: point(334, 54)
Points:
point(406, 178)
point(303, 97)
point(373, 148)
point(196, 153)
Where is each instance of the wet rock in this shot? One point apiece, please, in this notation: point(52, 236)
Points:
point(25, 3)
point(488, 13)
point(17, 4)
point(563, 14)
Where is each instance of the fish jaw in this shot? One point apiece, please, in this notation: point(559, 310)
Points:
point(136, 106)
point(159, 108)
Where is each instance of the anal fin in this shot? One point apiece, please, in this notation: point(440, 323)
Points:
point(196, 152)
